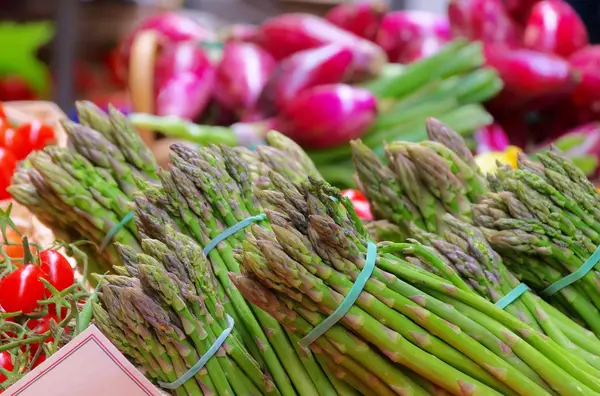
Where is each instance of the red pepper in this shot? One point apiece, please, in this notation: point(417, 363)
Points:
point(360, 202)
point(362, 19)
point(555, 27)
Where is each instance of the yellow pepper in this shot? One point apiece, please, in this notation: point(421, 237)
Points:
point(487, 161)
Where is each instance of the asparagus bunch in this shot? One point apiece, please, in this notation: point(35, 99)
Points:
point(409, 330)
point(162, 311)
point(85, 190)
point(543, 218)
point(204, 193)
point(463, 246)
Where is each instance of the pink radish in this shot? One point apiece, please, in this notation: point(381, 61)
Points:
point(241, 76)
point(555, 27)
point(287, 34)
point(362, 19)
point(485, 20)
point(328, 115)
point(399, 29)
point(184, 78)
point(305, 69)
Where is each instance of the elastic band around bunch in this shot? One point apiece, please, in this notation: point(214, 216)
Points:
point(114, 229)
point(574, 276)
point(348, 301)
point(232, 230)
point(205, 358)
point(512, 295)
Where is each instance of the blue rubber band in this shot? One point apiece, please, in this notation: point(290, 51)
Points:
point(205, 358)
point(113, 231)
point(348, 301)
point(512, 296)
point(574, 276)
point(232, 230)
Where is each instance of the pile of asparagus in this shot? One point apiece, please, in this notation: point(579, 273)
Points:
point(428, 190)
point(544, 219)
point(410, 331)
point(164, 314)
point(83, 191)
point(201, 195)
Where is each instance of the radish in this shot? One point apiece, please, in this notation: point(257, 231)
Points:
point(287, 34)
point(362, 19)
point(184, 79)
point(401, 28)
point(555, 27)
point(420, 49)
point(241, 76)
point(305, 69)
point(531, 74)
point(485, 20)
point(328, 115)
point(587, 61)
point(240, 32)
point(172, 27)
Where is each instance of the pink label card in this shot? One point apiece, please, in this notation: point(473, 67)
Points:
point(88, 365)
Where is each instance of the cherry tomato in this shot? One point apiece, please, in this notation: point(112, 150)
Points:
point(22, 289)
point(2, 113)
point(15, 88)
point(13, 251)
point(39, 135)
point(26, 138)
point(41, 359)
point(6, 363)
point(8, 163)
point(40, 326)
point(58, 270)
point(361, 205)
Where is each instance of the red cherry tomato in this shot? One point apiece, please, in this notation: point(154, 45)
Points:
point(40, 326)
point(39, 134)
point(6, 363)
point(13, 251)
point(2, 113)
point(361, 204)
point(26, 138)
point(57, 269)
point(22, 289)
point(8, 163)
point(41, 359)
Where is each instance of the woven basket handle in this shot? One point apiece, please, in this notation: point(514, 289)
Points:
point(141, 77)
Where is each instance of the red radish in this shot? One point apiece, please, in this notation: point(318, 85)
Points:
point(287, 34)
point(305, 69)
point(491, 138)
point(184, 80)
point(399, 29)
point(241, 76)
point(328, 115)
point(485, 20)
point(241, 32)
point(519, 10)
point(172, 27)
point(362, 19)
point(420, 49)
point(555, 27)
point(587, 61)
point(530, 74)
